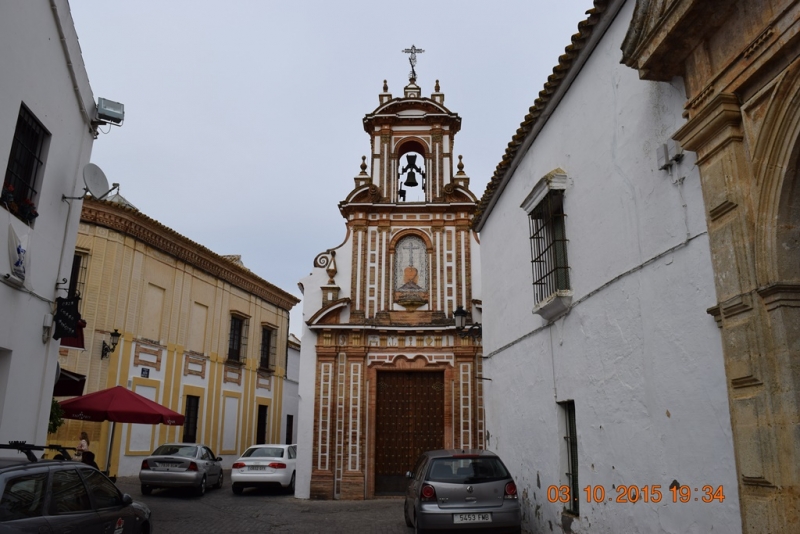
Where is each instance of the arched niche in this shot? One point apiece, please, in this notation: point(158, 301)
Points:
point(787, 234)
point(410, 256)
point(412, 168)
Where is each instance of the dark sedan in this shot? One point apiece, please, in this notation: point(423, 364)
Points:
point(63, 496)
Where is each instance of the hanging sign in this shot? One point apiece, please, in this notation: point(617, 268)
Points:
point(76, 341)
point(67, 317)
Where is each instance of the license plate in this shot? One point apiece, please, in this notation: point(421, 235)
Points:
point(256, 468)
point(168, 465)
point(472, 518)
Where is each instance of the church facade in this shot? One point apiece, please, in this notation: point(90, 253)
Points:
point(384, 374)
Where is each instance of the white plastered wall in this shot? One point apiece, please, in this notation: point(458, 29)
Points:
point(638, 354)
point(34, 71)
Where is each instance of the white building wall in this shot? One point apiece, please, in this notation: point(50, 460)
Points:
point(34, 71)
point(637, 353)
point(290, 402)
point(307, 365)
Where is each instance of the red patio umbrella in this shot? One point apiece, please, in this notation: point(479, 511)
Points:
point(119, 405)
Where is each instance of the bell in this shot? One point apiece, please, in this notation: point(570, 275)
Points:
point(411, 181)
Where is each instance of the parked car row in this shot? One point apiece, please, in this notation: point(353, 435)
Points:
point(192, 465)
point(448, 490)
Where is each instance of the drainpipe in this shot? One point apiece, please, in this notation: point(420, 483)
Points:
point(70, 68)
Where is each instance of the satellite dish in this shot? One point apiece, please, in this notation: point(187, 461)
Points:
point(96, 181)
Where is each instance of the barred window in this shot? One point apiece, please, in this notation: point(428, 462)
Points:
point(268, 348)
point(77, 279)
point(570, 455)
point(237, 340)
point(24, 164)
point(549, 246)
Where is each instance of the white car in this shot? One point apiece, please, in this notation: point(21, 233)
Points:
point(265, 465)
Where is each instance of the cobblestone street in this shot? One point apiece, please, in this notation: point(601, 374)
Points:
point(222, 512)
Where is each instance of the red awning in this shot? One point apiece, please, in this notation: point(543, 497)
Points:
point(69, 384)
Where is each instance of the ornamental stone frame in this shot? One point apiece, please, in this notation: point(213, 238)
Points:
point(739, 60)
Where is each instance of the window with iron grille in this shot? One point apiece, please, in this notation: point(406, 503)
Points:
point(549, 246)
point(237, 340)
point(570, 453)
point(77, 279)
point(268, 348)
point(24, 164)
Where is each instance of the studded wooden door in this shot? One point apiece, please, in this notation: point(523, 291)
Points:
point(409, 420)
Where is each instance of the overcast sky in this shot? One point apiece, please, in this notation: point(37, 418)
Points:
point(243, 118)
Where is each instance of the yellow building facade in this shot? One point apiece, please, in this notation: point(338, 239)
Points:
point(200, 334)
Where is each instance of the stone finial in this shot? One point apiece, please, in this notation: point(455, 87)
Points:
point(460, 167)
point(436, 87)
point(363, 165)
point(385, 87)
point(331, 269)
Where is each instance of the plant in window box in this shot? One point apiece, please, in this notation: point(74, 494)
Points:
point(27, 210)
point(7, 196)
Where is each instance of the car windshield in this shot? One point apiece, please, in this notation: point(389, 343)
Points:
point(465, 470)
point(187, 451)
point(263, 452)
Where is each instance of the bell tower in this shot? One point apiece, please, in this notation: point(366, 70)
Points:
point(412, 142)
point(384, 373)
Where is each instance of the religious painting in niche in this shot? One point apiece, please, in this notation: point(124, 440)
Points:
point(411, 273)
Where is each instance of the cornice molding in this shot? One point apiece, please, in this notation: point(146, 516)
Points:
point(149, 231)
point(723, 112)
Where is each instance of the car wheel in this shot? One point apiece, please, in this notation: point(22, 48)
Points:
point(147, 490)
point(290, 489)
point(237, 489)
point(405, 515)
point(218, 485)
point(201, 489)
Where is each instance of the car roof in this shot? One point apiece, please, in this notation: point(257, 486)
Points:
point(261, 445)
point(11, 464)
point(448, 453)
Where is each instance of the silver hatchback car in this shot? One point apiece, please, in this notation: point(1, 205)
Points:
point(181, 465)
point(461, 490)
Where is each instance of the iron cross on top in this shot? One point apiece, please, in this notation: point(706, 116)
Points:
point(413, 60)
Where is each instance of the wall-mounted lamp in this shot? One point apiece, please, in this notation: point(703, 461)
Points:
point(474, 331)
point(108, 349)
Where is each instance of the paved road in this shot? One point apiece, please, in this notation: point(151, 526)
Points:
point(222, 512)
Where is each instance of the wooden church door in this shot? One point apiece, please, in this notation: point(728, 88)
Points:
point(409, 421)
